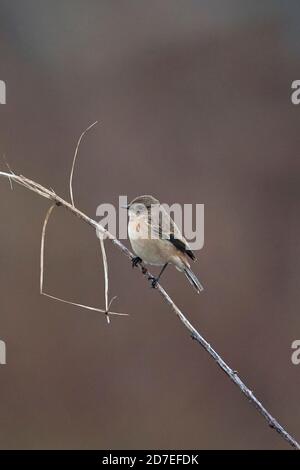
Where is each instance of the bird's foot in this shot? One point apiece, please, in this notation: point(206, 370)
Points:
point(135, 261)
point(153, 280)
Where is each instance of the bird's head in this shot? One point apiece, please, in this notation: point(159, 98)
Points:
point(141, 205)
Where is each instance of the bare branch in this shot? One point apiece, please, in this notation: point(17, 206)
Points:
point(272, 422)
point(74, 159)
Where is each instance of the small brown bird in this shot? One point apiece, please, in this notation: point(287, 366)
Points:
point(156, 239)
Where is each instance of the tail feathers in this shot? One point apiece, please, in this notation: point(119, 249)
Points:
point(193, 280)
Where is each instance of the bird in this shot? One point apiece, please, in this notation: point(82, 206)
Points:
point(156, 239)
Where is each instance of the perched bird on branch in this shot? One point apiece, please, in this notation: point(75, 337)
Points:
point(156, 239)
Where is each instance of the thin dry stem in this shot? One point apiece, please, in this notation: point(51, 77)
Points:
point(42, 254)
point(104, 258)
point(9, 169)
point(74, 160)
point(42, 263)
point(105, 269)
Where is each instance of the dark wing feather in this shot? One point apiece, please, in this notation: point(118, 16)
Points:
point(181, 246)
point(161, 224)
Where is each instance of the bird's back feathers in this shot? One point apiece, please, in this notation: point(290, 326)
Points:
point(161, 225)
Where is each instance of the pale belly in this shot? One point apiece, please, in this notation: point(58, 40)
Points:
point(153, 251)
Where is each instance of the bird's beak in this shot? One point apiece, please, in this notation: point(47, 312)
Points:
point(125, 207)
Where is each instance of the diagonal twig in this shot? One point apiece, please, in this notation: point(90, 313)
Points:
point(231, 373)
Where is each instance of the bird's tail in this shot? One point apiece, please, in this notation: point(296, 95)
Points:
point(193, 279)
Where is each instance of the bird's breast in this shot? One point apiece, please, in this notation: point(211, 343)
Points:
point(151, 250)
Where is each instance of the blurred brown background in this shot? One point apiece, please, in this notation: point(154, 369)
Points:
point(194, 103)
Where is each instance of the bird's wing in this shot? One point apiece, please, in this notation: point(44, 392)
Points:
point(161, 225)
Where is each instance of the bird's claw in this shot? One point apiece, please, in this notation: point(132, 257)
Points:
point(153, 280)
point(135, 261)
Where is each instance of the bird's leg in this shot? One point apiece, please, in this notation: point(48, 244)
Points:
point(135, 261)
point(154, 280)
point(164, 267)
